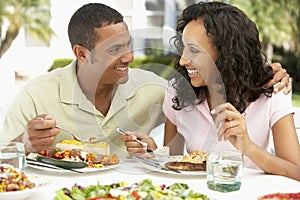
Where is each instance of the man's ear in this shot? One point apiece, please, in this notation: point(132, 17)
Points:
point(80, 52)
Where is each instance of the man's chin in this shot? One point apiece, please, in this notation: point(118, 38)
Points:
point(123, 79)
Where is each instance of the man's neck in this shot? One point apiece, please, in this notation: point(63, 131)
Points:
point(96, 92)
point(103, 98)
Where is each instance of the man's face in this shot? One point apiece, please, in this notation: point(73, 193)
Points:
point(108, 61)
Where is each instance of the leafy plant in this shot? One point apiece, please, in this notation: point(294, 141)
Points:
point(32, 15)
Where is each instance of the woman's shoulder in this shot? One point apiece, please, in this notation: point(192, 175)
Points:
point(275, 107)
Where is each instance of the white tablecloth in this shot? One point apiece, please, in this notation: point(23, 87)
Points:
point(254, 183)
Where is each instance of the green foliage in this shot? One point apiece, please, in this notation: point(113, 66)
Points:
point(276, 20)
point(59, 63)
point(32, 15)
point(296, 99)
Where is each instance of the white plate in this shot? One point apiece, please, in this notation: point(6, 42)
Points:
point(23, 194)
point(84, 170)
point(175, 158)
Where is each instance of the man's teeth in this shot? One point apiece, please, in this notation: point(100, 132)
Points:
point(121, 69)
point(193, 71)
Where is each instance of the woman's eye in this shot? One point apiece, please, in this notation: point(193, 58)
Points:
point(194, 50)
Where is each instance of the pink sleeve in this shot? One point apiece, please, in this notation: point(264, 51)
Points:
point(167, 105)
point(281, 105)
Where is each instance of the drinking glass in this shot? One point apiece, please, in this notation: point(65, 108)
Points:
point(13, 153)
point(224, 170)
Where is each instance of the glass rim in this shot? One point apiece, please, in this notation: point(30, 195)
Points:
point(2, 144)
point(230, 151)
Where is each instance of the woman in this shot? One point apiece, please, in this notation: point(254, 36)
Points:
point(251, 113)
point(217, 37)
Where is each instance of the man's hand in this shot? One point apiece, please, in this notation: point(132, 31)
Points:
point(282, 78)
point(39, 134)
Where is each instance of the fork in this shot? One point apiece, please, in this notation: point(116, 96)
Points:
point(74, 136)
point(144, 144)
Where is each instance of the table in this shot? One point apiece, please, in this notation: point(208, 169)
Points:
point(254, 183)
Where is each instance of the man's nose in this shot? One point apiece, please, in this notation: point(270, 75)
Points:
point(127, 56)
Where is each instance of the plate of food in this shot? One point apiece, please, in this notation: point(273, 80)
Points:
point(74, 156)
point(193, 163)
point(145, 189)
point(278, 196)
point(17, 185)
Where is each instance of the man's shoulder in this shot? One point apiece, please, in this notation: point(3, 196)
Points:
point(50, 78)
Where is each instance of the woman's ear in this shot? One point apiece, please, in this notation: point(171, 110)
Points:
point(80, 52)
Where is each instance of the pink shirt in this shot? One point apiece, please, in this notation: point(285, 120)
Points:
point(195, 124)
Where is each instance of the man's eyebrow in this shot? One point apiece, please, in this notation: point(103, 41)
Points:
point(120, 45)
point(116, 46)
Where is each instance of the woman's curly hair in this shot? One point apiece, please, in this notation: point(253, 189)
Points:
point(241, 62)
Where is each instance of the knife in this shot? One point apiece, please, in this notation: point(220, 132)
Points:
point(155, 164)
point(46, 165)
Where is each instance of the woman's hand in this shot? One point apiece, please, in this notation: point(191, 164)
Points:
point(134, 147)
point(233, 126)
point(282, 78)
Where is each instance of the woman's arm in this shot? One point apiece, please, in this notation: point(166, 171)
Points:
point(273, 164)
point(287, 159)
point(173, 139)
point(286, 162)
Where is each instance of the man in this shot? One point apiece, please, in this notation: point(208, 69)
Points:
point(96, 93)
point(93, 95)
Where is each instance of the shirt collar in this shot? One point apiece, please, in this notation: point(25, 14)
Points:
point(69, 82)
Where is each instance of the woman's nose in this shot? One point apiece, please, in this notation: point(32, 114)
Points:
point(183, 60)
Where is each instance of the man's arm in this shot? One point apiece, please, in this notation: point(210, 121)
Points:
point(282, 78)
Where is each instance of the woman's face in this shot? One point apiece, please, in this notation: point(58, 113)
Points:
point(199, 55)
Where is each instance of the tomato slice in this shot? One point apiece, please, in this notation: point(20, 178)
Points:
point(136, 195)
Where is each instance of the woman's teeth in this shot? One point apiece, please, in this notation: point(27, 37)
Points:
point(193, 71)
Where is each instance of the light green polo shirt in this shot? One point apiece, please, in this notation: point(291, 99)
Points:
point(136, 106)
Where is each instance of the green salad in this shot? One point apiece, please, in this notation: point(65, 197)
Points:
point(144, 190)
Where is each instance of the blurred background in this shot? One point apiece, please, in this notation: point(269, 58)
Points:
point(33, 35)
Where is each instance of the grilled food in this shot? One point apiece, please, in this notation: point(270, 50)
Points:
point(194, 161)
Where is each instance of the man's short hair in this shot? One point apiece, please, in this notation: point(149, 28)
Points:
point(84, 22)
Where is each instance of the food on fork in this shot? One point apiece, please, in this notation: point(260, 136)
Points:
point(13, 179)
point(194, 161)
